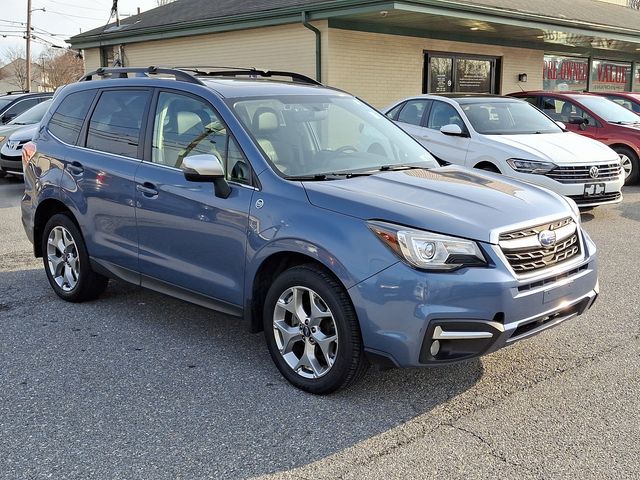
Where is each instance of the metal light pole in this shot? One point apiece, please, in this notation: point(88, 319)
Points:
point(28, 45)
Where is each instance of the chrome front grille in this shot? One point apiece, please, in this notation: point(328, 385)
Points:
point(525, 252)
point(582, 174)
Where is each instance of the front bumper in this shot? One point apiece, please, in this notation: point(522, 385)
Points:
point(576, 191)
point(11, 163)
point(469, 312)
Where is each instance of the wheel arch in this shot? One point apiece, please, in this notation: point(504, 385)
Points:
point(266, 272)
point(486, 163)
point(46, 209)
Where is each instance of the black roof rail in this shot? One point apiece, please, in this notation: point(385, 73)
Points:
point(123, 72)
point(219, 71)
point(13, 92)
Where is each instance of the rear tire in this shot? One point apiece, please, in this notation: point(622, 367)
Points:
point(312, 331)
point(630, 164)
point(66, 261)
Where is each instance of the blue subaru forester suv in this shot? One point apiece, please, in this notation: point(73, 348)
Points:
point(301, 210)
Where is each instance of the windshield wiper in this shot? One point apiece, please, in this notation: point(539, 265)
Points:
point(329, 176)
point(393, 168)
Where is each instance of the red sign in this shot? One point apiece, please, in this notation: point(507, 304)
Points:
point(567, 70)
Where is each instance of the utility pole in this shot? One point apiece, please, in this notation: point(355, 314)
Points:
point(28, 45)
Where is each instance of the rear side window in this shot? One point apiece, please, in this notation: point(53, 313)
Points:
point(412, 112)
point(67, 121)
point(117, 121)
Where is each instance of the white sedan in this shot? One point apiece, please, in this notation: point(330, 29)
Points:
point(510, 136)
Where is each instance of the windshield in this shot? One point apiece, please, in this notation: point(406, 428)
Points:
point(508, 118)
point(312, 135)
point(33, 115)
point(609, 111)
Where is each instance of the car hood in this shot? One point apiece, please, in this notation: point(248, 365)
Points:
point(24, 132)
point(560, 148)
point(7, 130)
point(450, 200)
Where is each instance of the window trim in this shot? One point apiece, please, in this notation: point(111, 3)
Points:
point(147, 156)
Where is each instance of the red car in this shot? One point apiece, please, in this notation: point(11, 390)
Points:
point(596, 117)
point(629, 100)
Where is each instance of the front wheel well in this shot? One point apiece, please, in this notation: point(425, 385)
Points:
point(623, 145)
point(44, 212)
point(268, 271)
point(486, 165)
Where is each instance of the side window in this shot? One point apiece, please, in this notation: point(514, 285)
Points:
point(444, 114)
point(393, 113)
point(19, 107)
point(412, 112)
point(67, 121)
point(116, 122)
point(565, 111)
point(532, 100)
point(185, 126)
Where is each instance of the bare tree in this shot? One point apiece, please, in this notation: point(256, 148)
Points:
point(60, 67)
point(15, 70)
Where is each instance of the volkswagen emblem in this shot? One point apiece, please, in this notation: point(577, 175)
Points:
point(594, 172)
point(547, 238)
point(12, 145)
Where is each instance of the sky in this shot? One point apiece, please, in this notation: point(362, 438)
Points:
point(60, 20)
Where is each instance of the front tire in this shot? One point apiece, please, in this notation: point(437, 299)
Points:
point(66, 261)
point(630, 164)
point(312, 331)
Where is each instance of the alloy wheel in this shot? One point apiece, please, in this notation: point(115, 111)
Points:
point(62, 256)
point(305, 332)
point(627, 164)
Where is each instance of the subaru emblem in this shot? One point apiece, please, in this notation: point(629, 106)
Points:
point(547, 238)
point(594, 172)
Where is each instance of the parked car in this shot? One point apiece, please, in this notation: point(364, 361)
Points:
point(595, 117)
point(509, 136)
point(250, 196)
point(629, 100)
point(15, 134)
point(14, 104)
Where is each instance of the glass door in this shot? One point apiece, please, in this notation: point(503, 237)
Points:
point(446, 73)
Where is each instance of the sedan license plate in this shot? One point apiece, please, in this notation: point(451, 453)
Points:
point(594, 189)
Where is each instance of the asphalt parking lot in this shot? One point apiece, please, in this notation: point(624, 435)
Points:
point(137, 385)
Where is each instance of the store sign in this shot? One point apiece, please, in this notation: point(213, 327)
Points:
point(610, 76)
point(565, 73)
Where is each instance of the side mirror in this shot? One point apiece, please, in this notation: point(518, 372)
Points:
point(453, 130)
point(561, 125)
point(206, 168)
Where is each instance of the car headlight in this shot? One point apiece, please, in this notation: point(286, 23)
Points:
point(427, 250)
point(530, 166)
point(2, 138)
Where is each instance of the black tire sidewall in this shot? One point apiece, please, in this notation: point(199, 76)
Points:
point(78, 291)
point(349, 345)
point(635, 172)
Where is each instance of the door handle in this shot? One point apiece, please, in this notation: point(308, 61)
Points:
point(75, 168)
point(147, 189)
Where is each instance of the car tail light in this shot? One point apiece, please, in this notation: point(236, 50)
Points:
point(28, 151)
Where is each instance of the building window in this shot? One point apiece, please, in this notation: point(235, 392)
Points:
point(565, 73)
point(106, 56)
point(460, 73)
point(608, 76)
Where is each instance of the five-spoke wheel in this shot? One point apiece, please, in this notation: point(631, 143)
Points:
point(312, 331)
